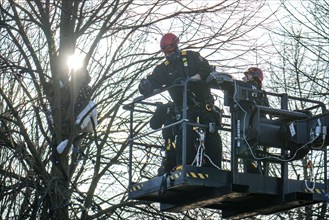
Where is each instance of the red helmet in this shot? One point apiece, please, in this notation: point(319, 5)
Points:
point(256, 73)
point(169, 42)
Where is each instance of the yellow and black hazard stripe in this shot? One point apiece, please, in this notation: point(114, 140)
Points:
point(191, 174)
point(175, 175)
point(316, 191)
point(136, 187)
point(197, 175)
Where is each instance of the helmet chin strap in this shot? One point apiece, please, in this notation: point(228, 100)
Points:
point(174, 55)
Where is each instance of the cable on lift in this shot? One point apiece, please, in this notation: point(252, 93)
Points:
point(310, 177)
point(199, 157)
point(198, 160)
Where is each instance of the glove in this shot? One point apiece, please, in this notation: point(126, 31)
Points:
point(145, 87)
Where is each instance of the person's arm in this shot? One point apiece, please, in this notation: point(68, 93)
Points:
point(152, 82)
point(145, 87)
point(203, 67)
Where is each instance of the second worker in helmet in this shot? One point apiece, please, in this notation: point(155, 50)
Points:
point(254, 77)
point(175, 70)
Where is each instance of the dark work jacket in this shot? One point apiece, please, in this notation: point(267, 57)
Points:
point(261, 96)
point(174, 73)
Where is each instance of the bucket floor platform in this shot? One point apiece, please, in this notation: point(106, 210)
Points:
point(248, 195)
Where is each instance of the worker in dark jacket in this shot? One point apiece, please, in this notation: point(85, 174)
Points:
point(176, 69)
point(254, 77)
